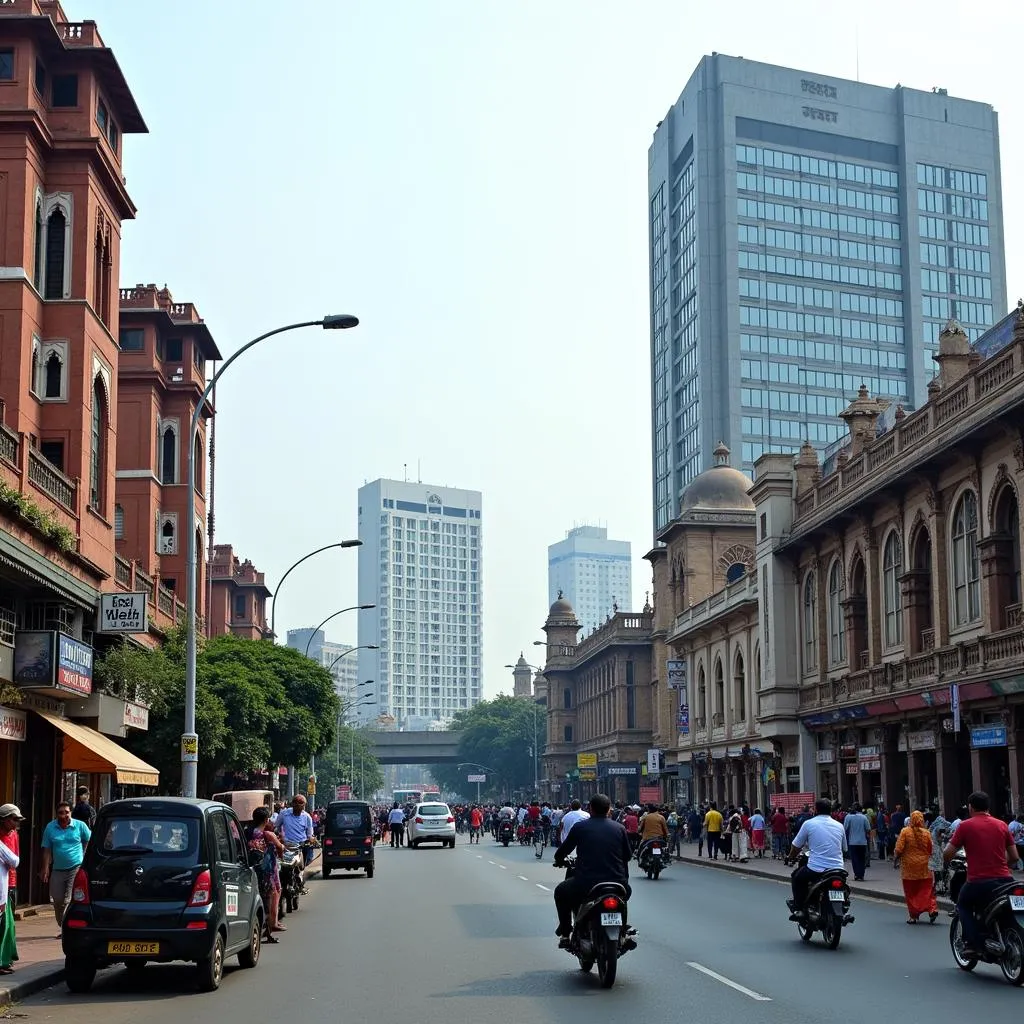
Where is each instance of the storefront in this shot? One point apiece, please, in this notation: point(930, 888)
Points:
point(620, 781)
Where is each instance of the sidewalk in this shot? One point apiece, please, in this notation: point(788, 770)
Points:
point(41, 959)
point(881, 882)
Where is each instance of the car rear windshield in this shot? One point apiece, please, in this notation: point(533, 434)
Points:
point(351, 818)
point(168, 837)
point(432, 809)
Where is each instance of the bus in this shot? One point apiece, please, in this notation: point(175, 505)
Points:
point(416, 796)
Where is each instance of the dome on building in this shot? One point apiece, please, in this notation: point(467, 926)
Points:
point(522, 662)
point(561, 609)
point(718, 489)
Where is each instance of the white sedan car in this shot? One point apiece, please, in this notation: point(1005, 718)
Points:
point(431, 823)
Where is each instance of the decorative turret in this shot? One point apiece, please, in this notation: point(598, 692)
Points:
point(521, 678)
point(955, 357)
point(861, 415)
point(561, 627)
point(808, 469)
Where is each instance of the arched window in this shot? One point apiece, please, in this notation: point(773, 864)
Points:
point(33, 384)
point(97, 460)
point(735, 572)
point(966, 574)
point(739, 687)
point(719, 693)
point(169, 456)
point(53, 373)
point(757, 667)
point(1007, 522)
point(37, 253)
point(702, 693)
point(810, 623)
point(836, 626)
point(56, 244)
point(197, 456)
point(118, 522)
point(892, 599)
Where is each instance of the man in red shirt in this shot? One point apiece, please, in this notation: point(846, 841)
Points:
point(990, 851)
point(780, 834)
point(476, 819)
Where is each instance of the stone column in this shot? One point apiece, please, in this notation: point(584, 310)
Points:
point(1015, 737)
point(892, 777)
point(946, 773)
point(940, 574)
point(996, 553)
point(917, 607)
point(913, 783)
point(975, 769)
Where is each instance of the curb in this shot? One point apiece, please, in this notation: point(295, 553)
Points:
point(24, 987)
point(857, 889)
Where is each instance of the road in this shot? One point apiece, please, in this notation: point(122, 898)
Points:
point(456, 936)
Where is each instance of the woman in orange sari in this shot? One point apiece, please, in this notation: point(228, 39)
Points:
point(913, 848)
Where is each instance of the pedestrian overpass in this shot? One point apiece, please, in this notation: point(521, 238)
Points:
point(415, 747)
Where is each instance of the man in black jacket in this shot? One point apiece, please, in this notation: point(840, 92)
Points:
point(602, 855)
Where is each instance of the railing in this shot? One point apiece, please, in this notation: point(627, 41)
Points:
point(927, 639)
point(79, 33)
point(144, 583)
point(164, 601)
point(50, 480)
point(1014, 615)
point(946, 411)
point(123, 572)
point(143, 297)
point(718, 719)
point(864, 659)
point(10, 443)
point(738, 592)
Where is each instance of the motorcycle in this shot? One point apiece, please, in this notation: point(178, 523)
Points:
point(600, 929)
point(827, 907)
point(1001, 923)
point(506, 831)
point(293, 862)
point(651, 857)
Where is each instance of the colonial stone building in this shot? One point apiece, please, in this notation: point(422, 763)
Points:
point(895, 609)
point(598, 704)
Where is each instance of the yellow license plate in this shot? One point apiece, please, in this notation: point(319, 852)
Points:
point(133, 948)
point(346, 853)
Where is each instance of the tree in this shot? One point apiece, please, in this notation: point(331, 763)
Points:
point(257, 705)
point(349, 761)
point(497, 734)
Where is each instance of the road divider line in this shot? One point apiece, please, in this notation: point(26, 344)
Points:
point(756, 996)
point(544, 887)
point(503, 867)
point(523, 878)
point(490, 862)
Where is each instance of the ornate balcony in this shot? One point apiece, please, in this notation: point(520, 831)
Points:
point(50, 480)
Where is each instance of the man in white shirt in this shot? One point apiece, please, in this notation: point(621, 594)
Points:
point(569, 819)
point(825, 840)
point(396, 825)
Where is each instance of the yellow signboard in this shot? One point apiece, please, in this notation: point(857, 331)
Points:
point(586, 760)
point(588, 775)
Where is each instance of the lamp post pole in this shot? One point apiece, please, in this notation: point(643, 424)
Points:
point(189, 739)
point(334, 615)
point(536, 779)
point(280, 582)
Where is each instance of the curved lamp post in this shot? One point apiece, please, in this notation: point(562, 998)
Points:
point(334, 615)
point(361, 647)
point(189, 739)
point(280, 582)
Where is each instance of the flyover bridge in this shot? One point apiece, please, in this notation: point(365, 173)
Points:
point(415, 747)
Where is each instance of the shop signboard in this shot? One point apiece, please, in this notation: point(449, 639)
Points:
point(35, 658)
point(136, 716)
point(653, 761)
point(13, 724)
point(650, 794)
point(827, 756)
point(588, 775)
point(917, 739)
point(474, 778)
point(74, 665)
point(623, 769)
point(791, 803)
point(988, 736)
point(869, 764)
point(342, 792)
point(586, 760)
point(852, 769)
point(683, 719)
point(954, 703)
point(675, 674)
point(123, 613)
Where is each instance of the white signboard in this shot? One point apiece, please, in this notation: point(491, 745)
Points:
point(675, 672)
point(653, 761)
point(123, 613)
point(136, 716)
point(476, 778)
point(826, 756)
point(13, 724)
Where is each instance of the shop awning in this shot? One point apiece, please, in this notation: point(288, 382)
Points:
point(86, 750)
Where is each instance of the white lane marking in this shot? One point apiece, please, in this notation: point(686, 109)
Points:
point(503, 868)
point(544, 887)
point(490, 862)
point(523, 878)
point(756, 996)
point(479, 856)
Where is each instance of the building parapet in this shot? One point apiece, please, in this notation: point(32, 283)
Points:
point(722, 602)
point(621, 627)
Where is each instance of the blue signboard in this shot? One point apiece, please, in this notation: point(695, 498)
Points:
point(988, 736)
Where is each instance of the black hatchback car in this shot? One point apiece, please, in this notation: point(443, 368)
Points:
point(163, 879)
point(348, 838)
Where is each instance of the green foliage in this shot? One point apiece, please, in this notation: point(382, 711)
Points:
point(46, 523)
point(497, 733)
point(348, 760)
point(256, 704)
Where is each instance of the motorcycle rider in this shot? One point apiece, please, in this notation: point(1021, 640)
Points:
point(825, 839)
point(990, 852)
point(602, 855)
point(296, 826)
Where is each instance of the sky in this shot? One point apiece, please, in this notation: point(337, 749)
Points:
point(470, 180)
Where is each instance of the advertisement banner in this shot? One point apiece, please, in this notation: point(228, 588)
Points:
point(123, 613)
point(13, 724)
point(683, 719)
point(650, 794)
point(675, 674)
point(35, 662)
point(74, 665)
point(342, 792)
point(954, 703)
point(653, 761)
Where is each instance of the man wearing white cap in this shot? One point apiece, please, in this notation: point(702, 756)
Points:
point(10, 818)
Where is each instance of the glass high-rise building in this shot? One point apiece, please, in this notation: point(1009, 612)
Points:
point(421, 564)
point(594, 574)
point(808, 234)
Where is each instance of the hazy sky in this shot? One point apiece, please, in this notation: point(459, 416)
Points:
point(469, 178)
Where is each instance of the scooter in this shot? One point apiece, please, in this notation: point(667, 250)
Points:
point(600, 929)
point(1001, 923)
point(293, 862)
point(827, 907)
point(651, 858)
point(506, 831)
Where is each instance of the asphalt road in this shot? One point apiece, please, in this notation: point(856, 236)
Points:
point(457, 936)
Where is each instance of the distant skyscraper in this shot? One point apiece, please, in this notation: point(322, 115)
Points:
point(592, 572)
point(421, 564)
point(343, 669)
point(306, 641)
point(830, 228)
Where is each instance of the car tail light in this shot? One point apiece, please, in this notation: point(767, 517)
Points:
point(837, 883)
point(201, 894)
point(328, 842)
point(451, 820)
point(196, 926)
point(419, 821)
point(367, 841)
point(80, 890)
point(610, 903)
point(1018, 891)
point(75, 922)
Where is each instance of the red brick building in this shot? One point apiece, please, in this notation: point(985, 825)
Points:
point(165, 348)
point(239, 596)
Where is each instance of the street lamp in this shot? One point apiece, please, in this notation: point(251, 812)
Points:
point(536, 780)
point(477, 764)
point(334, 615)
point(280, 582)
point(361, 647)
point(189, 739)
